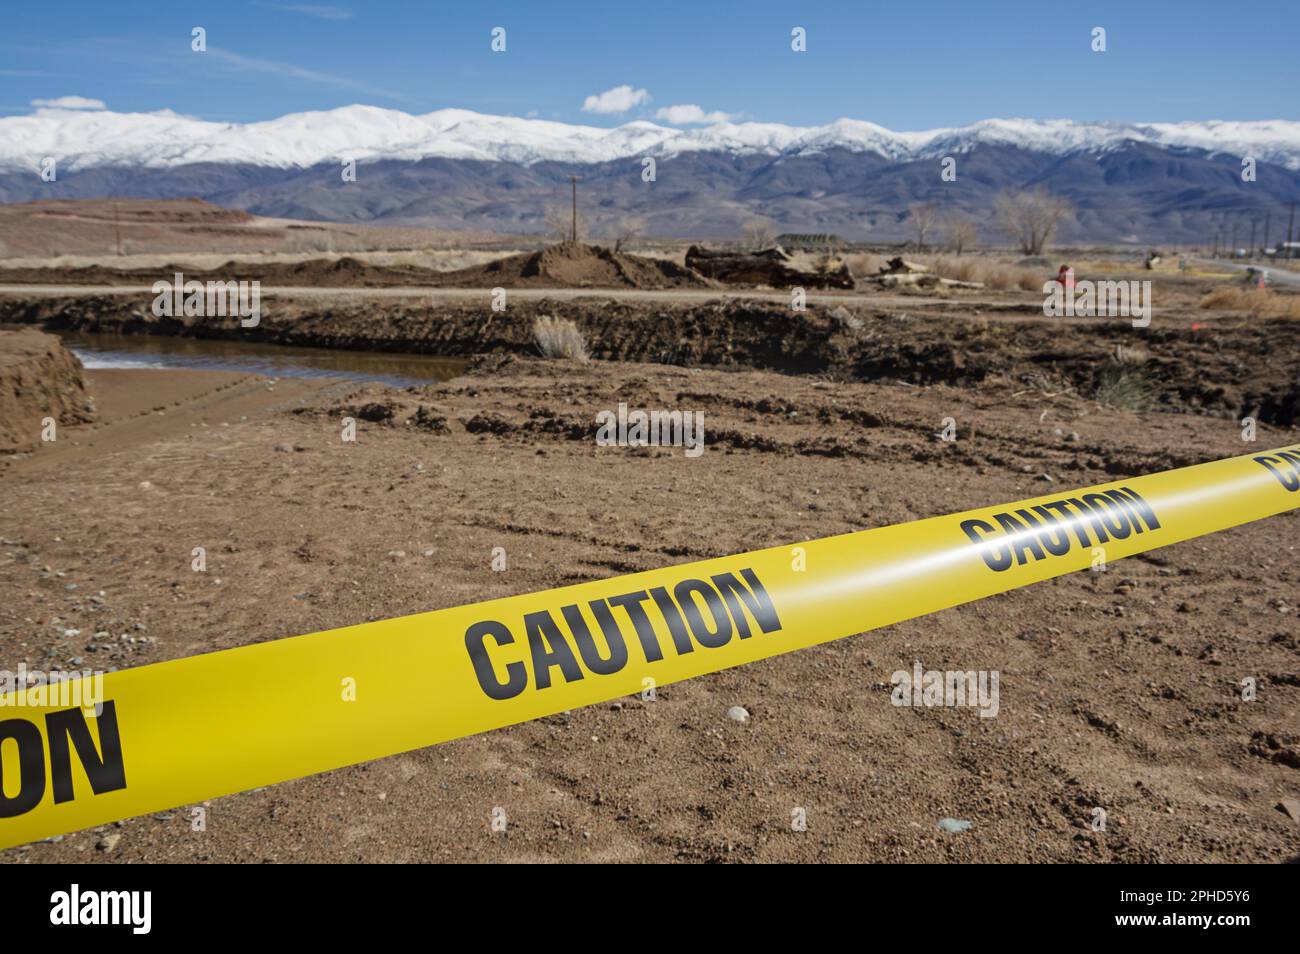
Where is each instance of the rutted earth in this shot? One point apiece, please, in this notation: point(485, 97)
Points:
point(1119, 689)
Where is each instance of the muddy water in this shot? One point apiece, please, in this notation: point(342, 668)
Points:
point(98, 351)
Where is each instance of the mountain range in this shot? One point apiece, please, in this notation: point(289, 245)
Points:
point(1135, 183)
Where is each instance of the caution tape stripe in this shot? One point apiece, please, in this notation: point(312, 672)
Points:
point(180, 732)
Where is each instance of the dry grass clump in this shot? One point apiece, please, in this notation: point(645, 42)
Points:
point(559, 338)
point(962, 268)
point(1124, 382)
point(958, 269)
point(1260, 302)
point(864, 264)
point(995, 275)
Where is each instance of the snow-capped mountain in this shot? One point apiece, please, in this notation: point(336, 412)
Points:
point(456, 169)
point(83, 139)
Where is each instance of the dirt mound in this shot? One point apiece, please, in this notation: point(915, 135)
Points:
point(575, 265)
point(568, 265)
point(39, 378)
point(774, 267)
point(323, 272)
point(316, 272)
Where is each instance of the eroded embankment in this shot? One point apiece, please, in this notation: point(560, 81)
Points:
point(1229, 367)
point(39, 380)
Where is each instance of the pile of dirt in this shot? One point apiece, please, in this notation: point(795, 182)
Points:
point(316, 272)
point(567, 265)
point(774, 267)
point(575, 265)
point(39, 379)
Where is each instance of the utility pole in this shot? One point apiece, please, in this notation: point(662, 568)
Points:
point(1232, 252)
point(1268, 217)
point(1253, 223)
point(573, 229)
point(1289, 226)
point(117, 230)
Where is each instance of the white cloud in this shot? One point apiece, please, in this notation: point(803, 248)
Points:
point(686, 114)
point(69, 102)
point(617, 100)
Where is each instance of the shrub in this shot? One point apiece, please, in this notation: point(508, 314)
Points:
point(1260, 302)
point(1124, 386)
point(559, 338)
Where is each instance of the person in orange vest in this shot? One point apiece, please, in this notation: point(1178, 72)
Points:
point(1065, 276)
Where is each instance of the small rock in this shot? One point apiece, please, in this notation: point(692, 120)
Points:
point(285, 448)
point(953, 824)
point(738, 714)
point(109, 841)
point(1291, 806)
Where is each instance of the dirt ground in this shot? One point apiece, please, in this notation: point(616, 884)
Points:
point(1190, 359)
point(566, 265)
point(40, 383)
point(149, 233)
point(1119, 689)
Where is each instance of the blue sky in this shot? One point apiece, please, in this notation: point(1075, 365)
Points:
point(903, 65)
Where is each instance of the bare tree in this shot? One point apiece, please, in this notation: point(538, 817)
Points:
point(559, 221)
point(1030, 218)
point(626, 230)
point(759, 233)
point(963, 231)
point(925, 216)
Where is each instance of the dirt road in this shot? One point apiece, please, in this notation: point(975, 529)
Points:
point(435, 295)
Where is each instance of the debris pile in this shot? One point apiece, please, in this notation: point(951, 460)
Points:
point(774, 267)
point(899, 272)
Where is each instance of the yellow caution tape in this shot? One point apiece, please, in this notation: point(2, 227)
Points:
point(180, 732)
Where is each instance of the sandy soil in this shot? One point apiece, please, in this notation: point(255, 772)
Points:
point(1119, 689)
point(148, 233)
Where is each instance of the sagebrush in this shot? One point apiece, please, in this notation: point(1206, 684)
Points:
point(559, 338)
